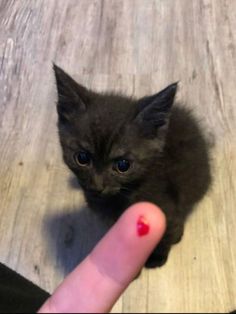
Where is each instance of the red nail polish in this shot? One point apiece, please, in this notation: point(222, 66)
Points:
point(142, 226)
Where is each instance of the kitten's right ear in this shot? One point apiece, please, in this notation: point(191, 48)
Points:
point(71, 96)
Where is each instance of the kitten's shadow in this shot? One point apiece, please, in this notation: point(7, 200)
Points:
point(72, 235)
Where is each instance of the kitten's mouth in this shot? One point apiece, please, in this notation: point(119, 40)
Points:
point(103, 195)
point(110, 204)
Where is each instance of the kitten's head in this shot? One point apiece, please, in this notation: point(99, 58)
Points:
point(110, 141)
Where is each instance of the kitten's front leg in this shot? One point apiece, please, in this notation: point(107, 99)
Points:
point(159, 256)
point(172, 236)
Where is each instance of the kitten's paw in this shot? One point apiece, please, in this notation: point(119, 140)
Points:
point(177, 234)
point(156, 261)
point(178, 238)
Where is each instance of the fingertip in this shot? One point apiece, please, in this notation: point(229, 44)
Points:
point(152, 214)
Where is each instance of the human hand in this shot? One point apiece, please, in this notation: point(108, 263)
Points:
point(96, 284)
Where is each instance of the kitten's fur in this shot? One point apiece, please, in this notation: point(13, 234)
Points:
point(170, 164)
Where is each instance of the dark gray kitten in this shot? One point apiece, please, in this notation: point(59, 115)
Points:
point(125, 150)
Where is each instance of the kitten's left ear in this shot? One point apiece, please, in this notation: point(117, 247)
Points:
point(153, 112)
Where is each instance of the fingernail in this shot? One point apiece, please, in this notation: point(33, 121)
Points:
point(142, 226)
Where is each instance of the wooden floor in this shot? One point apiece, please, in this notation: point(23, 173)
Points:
point(137, 47)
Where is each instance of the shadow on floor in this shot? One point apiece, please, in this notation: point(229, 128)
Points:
point(72, 234)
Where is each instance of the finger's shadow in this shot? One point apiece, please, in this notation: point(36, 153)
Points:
point(72, 235)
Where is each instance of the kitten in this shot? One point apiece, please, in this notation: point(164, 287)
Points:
point(125, 150)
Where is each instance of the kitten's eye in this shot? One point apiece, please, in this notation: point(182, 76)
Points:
point(82, 158)
point(122, 165)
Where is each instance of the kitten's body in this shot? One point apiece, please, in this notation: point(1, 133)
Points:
point(168, 154)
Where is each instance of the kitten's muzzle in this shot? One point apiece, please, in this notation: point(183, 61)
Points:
point(107, 191)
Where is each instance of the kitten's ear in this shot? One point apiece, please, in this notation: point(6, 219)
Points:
point(71, 96)
point(153, 112)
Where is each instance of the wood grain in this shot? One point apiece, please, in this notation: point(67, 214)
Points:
point(137, 47)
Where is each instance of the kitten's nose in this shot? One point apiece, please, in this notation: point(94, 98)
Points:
point(99, 191)
point(98, 184)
